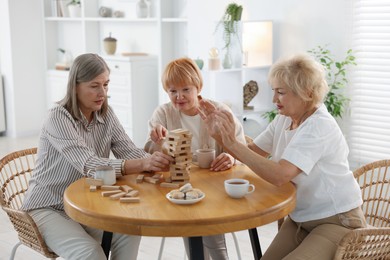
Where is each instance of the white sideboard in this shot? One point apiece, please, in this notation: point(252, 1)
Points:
point(132, 92)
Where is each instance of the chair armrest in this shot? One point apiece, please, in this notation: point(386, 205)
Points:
point(365, 243)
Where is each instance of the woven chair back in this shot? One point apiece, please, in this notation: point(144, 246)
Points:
point(15, 172)
point(374, 181)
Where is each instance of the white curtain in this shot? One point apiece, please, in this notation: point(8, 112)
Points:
point(369, 129)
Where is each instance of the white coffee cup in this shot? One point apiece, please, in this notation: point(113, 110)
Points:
point(105, 173)
point(205, 157)
point(238, 188)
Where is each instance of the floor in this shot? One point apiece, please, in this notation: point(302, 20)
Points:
point(150, 246)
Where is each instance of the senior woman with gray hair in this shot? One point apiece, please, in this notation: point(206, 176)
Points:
point(307, 148)
point(77, 136)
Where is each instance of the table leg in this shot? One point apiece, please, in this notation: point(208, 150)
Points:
point(196, 248)
point(255, 243)
point(106, 242)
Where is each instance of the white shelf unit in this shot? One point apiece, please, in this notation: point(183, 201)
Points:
point(163, 36)
point(227, 85)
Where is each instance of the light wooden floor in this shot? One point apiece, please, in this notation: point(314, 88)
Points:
point(149, 247)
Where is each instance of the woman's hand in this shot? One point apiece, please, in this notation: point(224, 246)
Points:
point(158, 134)
point(223, 162)
point(226, 126)
point(207, 112)
point(158, 162)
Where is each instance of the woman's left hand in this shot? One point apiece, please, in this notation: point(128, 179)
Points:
point(223, 162)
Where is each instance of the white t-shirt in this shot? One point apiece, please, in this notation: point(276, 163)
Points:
point(326, 186)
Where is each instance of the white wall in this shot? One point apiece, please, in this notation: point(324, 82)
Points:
point(22, 65)
point(299, 25)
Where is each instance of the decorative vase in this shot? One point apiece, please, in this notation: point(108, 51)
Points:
point(110, 45)
point(74, 10)
point(227, 60)
point(142, 9)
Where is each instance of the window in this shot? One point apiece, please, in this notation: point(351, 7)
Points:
point(369, 133)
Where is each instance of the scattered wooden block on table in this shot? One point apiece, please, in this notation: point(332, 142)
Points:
point(92, 188)
point(169, 185)
point(126, 188)
point(132, 193)
point(139, 178)
point(157, 176)
point(110, 192)
point(129, 199)
point(94, 182)
point(117, 195)
point(152, 180)
point(110, 187)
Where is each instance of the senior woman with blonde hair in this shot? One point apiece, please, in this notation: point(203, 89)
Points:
point(307, 148)
point(183, 82)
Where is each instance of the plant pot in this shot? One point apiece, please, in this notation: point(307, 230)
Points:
point(74, 10)
point(237, 15)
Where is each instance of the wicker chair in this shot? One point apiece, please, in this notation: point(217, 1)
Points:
point(15, 172)
point(372, 242)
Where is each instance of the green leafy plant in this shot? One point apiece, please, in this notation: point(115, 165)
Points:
point(228, 21)
point(336, 77)
point(74, 2)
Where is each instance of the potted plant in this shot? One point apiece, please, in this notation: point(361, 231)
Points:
point(229, 23)
point(74, 8)
point(335, 101)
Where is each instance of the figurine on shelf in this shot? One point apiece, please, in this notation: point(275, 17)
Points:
point(250, 91)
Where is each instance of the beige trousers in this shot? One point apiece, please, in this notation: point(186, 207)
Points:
point(315, 239)
point(73, 241)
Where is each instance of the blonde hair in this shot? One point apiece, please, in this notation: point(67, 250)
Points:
point(85, 68)
point(182, 72)
point(303, 76)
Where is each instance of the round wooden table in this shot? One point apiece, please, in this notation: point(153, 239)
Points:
point(155, 215)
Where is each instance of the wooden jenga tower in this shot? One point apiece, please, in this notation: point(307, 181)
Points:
point(179, 147)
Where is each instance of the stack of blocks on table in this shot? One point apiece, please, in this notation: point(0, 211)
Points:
point(179, 147)
point(123, 193)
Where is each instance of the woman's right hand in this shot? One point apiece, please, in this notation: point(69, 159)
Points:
point(158, 134)
point(157, 162)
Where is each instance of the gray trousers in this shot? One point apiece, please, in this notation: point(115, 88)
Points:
point(74, 241)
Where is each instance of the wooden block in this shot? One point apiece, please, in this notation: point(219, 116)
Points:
point(129, 200)
point(157, 176)
point(151, 180)
point(126, 188)
point(132, 193)
point(180, 178)
point(109, 187)
point(181, 182)
point(94, 182)
point(117, 196)
point(139, 178)
point(168, 179)
point(110, 192)
point(92, 188)
point(169, 185)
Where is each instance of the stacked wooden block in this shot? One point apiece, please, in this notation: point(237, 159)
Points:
point(179, 147)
